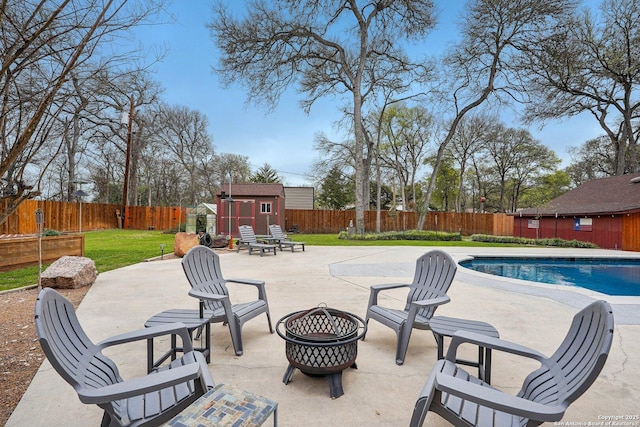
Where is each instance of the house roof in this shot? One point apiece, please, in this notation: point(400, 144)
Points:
point(252, 190)
point(613, 195)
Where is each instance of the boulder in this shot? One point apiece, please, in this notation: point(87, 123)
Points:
point(220, 242)
point(70, 272)
point(183, 242)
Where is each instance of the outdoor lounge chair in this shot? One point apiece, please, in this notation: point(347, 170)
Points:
point(433, 276)
point(281, 239)
point(149, 400)
point(464, 400)
point(248, 238)
point(202, 267)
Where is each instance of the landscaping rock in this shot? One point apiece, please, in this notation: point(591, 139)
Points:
point(183, 242)
point(70, 272)
point(220, 242)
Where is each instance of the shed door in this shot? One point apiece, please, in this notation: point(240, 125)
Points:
point(246, 213)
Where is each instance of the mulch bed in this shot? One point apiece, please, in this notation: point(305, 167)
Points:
point(20, 353)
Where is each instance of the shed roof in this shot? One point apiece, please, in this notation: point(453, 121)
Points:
point(209, 207)
point(613, 195)
point(253, 190)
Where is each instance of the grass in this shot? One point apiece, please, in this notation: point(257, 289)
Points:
point(111, 249)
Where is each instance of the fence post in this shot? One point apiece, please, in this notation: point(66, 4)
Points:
point(39, 228)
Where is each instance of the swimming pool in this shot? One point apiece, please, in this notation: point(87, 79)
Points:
point(606, 275)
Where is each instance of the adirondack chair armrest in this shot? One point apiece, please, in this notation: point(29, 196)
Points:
point(207, 296)
point(140, 385)
point(492, 398)
point(246, 281)
point(375, 289)
point(431, 302)
point(259, 284)
point(485, 341)
point(146, 333)
point(416, 305)
point(204, 296)
point(386, 286)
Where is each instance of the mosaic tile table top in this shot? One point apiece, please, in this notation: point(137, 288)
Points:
point(226, 405)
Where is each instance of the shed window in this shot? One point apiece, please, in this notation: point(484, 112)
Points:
point(265, 207)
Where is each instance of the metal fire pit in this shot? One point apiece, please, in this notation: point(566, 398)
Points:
point(321, 341)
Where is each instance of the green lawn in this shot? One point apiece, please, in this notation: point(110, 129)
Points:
point(111, 249)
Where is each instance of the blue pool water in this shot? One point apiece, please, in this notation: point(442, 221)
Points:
point(608, 276)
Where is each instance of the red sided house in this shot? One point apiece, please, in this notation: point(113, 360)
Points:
point(257, 205)
point(603, 211)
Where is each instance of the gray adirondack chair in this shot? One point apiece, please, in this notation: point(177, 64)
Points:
point(248, 238)
point(149, 400)
point(202, 267)
point(281, 240)
point(547, 392)
point(434, 273)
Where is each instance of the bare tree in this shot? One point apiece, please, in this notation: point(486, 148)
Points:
point(334, 47)
point(593, 65)
point(105, 172)
point(406, 133)
point(338, 154)
point(79, 106)
point(515, 159)
point(136, 94)
point(469, 140)
point(42, 44)
point(594, 159)
point(481, 65)
point(232, 168)
point(184, 136)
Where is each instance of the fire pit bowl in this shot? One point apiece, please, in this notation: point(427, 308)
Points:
point(321, 341)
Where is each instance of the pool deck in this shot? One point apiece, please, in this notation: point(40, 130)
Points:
point(378, 393)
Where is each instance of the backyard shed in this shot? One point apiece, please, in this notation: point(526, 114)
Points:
point(603, 211)
point(257, 205)
point(201, 217)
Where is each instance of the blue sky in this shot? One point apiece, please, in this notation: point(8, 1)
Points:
point(283, 138)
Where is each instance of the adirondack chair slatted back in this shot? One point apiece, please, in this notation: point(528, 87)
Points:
point(68, 349)
point(576, 364)
point(434, 274)
point(202, 267)
point(276, 232)
point(246, 234)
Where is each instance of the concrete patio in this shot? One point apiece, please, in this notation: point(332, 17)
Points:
point(378, 393)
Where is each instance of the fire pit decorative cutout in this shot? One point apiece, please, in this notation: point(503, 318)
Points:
point(321, 341)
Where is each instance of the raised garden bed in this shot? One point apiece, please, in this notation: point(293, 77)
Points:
point(22, 251)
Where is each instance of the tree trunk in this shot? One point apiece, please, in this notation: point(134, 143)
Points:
point(460, 187)
point(361, 174)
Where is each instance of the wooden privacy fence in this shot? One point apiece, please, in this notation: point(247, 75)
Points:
point(65, 217)
point(334, 221)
